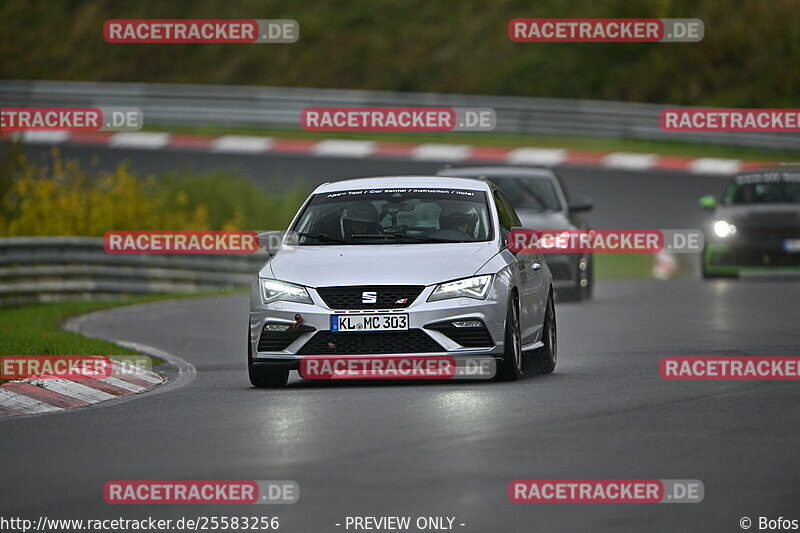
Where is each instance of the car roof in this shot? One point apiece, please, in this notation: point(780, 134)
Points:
point(388, 182)
point(791, 167)
point(498, 171)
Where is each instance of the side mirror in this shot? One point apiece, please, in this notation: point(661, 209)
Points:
point(708, 202)
point(580, 206)
point(270, 241)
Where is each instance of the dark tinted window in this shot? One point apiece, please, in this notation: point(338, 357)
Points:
point(508, 218)
point(400, 215)
point(767, 188)
point(529, 192)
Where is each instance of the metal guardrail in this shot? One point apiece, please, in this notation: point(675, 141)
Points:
point(277, 107)
point(43, 269)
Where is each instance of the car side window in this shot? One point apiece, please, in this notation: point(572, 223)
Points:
point(559, 183)
point(514, 217)
point(504, 212)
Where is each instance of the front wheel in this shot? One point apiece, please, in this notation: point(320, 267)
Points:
point(509, 368)
point(265, 377)
point(544, 358)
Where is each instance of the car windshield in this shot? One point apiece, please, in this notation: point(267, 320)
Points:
point(533, 193)
point(392, 216)
point(767, 188)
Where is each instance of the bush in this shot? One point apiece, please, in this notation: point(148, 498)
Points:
point(66, 199)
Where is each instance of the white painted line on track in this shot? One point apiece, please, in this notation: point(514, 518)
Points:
point(111, 380)
point(243, 144)
point(19, 402)
point(73, 389)
point(441, 152)
point(142, 140)
point(711, 165)
point(122, 370)
point(537, 156)
point(343, 148)
point(45, 137)
point(629, 161)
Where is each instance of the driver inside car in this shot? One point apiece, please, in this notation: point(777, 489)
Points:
point(359, 218)
point(455, 218)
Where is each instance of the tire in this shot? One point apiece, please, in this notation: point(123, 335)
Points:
point(544, 359)
point(509, 368)
point(265, 377)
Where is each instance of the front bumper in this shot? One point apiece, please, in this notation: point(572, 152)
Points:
point(567, 269)
point(748, 255)
point(427, 335)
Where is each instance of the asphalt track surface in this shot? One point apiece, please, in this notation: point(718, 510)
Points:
point(623, 199)
point(446, 449)
point(450, 449)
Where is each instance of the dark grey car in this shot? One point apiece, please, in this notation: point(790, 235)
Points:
point(540, 200)
point(755, 225)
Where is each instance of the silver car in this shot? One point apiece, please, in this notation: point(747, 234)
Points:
point(428, 255)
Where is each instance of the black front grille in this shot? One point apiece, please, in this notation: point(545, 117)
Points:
point(478, 337)
point(765, 237)
point(387, 296)
point(379, 343)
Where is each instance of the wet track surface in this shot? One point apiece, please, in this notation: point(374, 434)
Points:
point(450, 448)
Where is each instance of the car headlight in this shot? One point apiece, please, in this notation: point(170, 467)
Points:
point(723, 229)
point(476, 287)
point(273, 290)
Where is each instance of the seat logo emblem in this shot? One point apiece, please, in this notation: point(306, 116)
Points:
point(369, 297)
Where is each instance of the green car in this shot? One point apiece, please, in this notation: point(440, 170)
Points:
point(755, 225)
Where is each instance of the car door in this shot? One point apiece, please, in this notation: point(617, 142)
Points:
point(528, 270)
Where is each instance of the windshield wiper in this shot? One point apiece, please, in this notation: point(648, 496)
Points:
point(321, 237)
point(422, 238)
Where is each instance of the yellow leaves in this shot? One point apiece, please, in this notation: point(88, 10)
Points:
point(63, 198)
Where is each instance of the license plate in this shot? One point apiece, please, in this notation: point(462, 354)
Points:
point(791, 245)
point(393, 322)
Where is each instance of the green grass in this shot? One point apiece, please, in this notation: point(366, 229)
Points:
point(36, 329)
point(511, 141)
point(623, 266)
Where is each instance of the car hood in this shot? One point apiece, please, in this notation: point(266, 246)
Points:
point(389, 264)
point(532, 219)
point(761, 216)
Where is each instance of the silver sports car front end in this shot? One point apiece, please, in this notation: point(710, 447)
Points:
point(414, 267)
point(286, 331)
